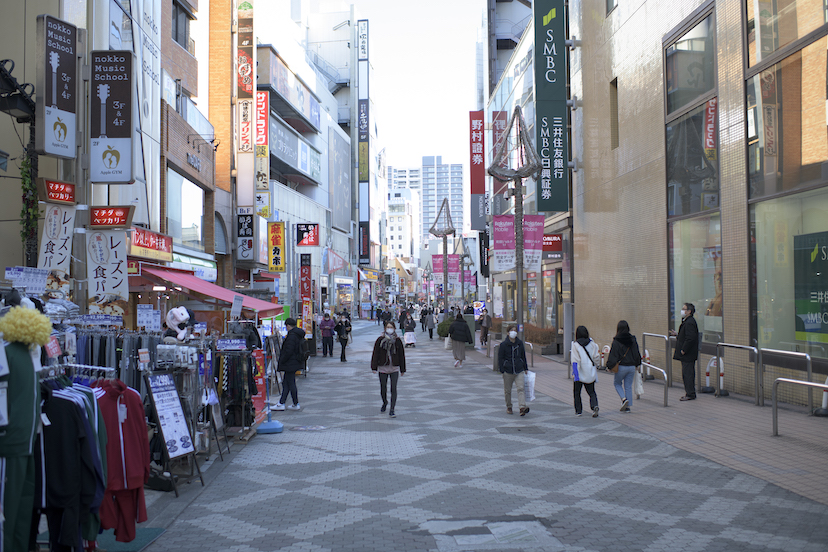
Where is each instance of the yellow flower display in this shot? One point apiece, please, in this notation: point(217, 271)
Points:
point(26, 326)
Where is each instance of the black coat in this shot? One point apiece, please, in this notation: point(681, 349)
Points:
point(624, 351)
point(511, 356)
point(459, 331)
point(380, 356)
point(687, 341)
point(342, 329)
point(290, 357)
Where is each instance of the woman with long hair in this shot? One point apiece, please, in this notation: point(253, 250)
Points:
point(623, 359)
point(460, 335)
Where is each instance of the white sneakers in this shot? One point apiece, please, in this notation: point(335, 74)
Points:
point(294, 407)
point(278, 406)
point(456, 362)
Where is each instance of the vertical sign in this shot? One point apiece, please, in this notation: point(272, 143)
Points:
point(499, 187)
point(56, 101)
point(262, 140)
point(244, 232)
point(305, 276)
point(56, 247)
point(454, 269)
point(483, 242)
point(364, 243)
point(504, 243)
point(363, 141)
point(276, 242)
point(477, 173)
point(245, 84)
point(108, 289)
point(532, 242)
point(710, 134)
point(552, 247)
point(552, 137)
point(111, 123)
point(437, 268)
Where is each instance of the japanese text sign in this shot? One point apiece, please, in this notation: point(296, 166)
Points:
point(56, 247)
point(108, 290)
point(114, 216)
point(307, 234)
point(276, 242)
point(111, 122)
point(54, 191)
point(150, 245)
point(56, 100)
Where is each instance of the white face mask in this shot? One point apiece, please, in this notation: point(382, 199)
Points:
point(683, 313)
point(513, 334)
point(389, 331)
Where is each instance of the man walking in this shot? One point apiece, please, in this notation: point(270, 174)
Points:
point(485, 324)
point(327, 327)
point(687, 350)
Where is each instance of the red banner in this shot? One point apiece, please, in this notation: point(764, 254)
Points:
point(477, 173)
point(710, 129)
point(305, 277)
point(499, 121)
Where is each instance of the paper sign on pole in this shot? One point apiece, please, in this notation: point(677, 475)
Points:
point(235, 311)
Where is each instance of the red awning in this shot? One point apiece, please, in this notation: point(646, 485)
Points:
point(196, 287)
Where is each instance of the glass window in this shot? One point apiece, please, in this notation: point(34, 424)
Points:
point(789, 249)
point(786, 123)
point(692, 161)
point(696, 273)
point(780, 23)
point(185, 209)
point(690, 67)
point(180, 24)
point(611, 5)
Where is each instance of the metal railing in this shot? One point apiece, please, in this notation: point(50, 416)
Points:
point(667, 356)
point(792, 354)
point(758, 384)
point(809, 384)
point(648, 365)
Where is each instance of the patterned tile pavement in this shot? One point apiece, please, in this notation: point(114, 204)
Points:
point(454, 472)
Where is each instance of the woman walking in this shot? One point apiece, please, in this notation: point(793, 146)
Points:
point(410, 327)
point(460, 335)
point(388, 359)
point(585, 357)
point(343, 331)
point(623, 358)
point(430, 324)
point(511, 357)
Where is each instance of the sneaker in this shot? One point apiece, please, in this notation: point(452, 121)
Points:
point(627, 410)
point(577, 414)
point(456, 362)
point(524, 411)
point(383, 408)
point(508, 410)
point(294, 407)
point(391, 414)
point(624, 404)
point(595, 412)
point(278, 406)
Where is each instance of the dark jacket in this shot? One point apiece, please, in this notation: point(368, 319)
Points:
point(342, 329)
point(410, 324)
point(624, 351)
point(459, 331)
point(290, 358)
point(380, 356)
point(687, 340)
point(511, 356)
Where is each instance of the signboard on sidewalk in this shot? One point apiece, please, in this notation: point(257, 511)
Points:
point(177, 438)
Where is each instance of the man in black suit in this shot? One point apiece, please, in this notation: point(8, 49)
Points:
point(687, 350)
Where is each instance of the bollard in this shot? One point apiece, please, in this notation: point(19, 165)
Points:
point(605, 352)
point(722, 391)
point(707, 387)
point(823, 412)
point(648, 376)
point(495, 367)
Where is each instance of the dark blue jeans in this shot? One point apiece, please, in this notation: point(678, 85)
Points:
point(289, 386)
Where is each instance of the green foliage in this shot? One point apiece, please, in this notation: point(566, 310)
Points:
point(30, 212)
point(443, 328)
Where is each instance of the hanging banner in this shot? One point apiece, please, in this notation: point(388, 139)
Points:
point(57, 80)
point(335, 262)
point(111, 121)
point(552, 247)
point(483, 243)
point(477, 171)
point(262, 140)
point(503, 255)
point(437, 268)
point(499, 203)
point(454, 269)
point(552, 113)
point(532, 242)
point(276, 242)
point(305, 277)
point(56, 248)
point(108, 289)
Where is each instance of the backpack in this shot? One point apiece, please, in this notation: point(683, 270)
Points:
point(304, 350)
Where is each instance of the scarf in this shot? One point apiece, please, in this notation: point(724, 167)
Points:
point(388, 343)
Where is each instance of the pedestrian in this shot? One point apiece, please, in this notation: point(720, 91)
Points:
point(388, 359)
point(379, 315)
point(290, 361)
point(469, 309)
point(623, 359)
point(687, 349)
point(485, 324)
point(401, 319)
point(511, 357)
point(430, 323)
point(584, 356)
point(410, 331)
point(343, 331)
point(327, 328)
point(460, 335)
point(423, 313)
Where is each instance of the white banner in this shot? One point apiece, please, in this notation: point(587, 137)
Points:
point(108, 289)
point(56, 248)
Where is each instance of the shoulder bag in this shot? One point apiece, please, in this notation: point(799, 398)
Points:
point(614, 369)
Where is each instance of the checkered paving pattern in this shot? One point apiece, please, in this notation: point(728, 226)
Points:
point(454, 472)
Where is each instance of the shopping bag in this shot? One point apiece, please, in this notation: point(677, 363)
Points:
point(529, 385)
point(638, 384)
point(448, 344)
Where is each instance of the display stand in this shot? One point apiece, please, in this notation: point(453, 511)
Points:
point(217, 424)
point(172, 426)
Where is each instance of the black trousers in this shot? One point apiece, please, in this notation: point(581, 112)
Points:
point(431, 333)
point(327, 345)
point(484, 334)
point(344, 343)
point(688, 374)
point(590, 389)
point(384, 387)
point(289, 386)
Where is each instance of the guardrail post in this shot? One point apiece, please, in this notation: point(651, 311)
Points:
point(773, 407)
point(808, 369)
point(809, 384)
point(495, 367)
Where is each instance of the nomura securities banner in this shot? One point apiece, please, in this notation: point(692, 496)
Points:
point(551, 135)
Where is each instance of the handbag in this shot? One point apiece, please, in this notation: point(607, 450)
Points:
point(638, 384)
point(614, 369)
point(529, 385)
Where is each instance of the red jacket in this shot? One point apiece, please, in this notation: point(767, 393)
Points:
point(127, 446)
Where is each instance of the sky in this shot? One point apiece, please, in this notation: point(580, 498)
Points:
point(424, 79)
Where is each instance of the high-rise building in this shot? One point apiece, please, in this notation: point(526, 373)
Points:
point(441, 180)
point(403, 224)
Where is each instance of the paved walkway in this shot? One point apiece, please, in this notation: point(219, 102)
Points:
point(454, 472)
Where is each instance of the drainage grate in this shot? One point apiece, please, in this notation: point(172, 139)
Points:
point(520, 429)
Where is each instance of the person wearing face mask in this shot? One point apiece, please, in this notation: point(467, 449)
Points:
point(343, 330)
point(388, 360)
point(687, 349)
point(460, 335)
point(511, 357)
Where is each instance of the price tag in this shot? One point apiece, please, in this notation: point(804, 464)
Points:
point(53, 348)
point(143, 356)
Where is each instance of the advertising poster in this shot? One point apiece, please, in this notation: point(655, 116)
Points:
point(263, 204)
point(245, 233)
point(552, 247)
point(56, 102)
point(339, 175)
point(477, 171)
point(276, 242)
point(503, 235)
point(307, 234)
point(498, 202)
point(305, 284)
point(811, 287)
point(532, 242)
point(171, 418)
point(437, 268)
point(454, 269)
point(111, 118)
point(259, 398)
point(108, 289)
point(56, 248)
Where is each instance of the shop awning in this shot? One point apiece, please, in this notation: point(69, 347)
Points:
point(199, 289)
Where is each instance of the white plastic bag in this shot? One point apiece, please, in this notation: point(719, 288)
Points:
point(638, 385)
point(448, 344)
point(529, 385)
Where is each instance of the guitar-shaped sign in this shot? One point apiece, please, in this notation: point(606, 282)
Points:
point(103, 94)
